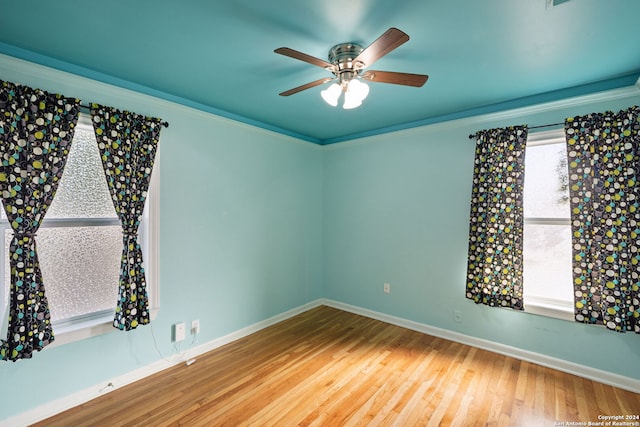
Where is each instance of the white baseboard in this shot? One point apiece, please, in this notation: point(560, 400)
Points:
point(597, 375)
point(59, 405)
point(55, 407)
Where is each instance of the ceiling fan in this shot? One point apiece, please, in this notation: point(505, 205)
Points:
point(347, 62)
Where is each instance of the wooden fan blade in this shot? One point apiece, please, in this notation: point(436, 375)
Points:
point(303, 57)
point(384, 44)
point(305, 86)
point(406, 79)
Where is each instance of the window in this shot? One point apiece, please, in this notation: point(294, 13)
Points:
point(547, 286)
point(80, 245)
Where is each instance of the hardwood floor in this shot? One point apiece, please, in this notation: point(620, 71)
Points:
point(326, 367)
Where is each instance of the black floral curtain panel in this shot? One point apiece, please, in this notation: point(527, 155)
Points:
point(36, 130)
point(128, 143)
point(604, 164)
point(494, 267)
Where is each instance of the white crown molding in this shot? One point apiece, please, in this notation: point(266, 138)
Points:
point(90, 90)
point(51, 77)
point(478, 121)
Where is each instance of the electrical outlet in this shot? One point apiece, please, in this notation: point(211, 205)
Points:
point(457, 316)
point(178, 332)
point(386, 288)
point(195, 327)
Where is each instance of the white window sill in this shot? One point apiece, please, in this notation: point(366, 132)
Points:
point(94, 326)
point(549, 307)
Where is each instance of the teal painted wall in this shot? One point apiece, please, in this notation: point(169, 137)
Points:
point(239, 236)
point(396, 211)
point(254, 223)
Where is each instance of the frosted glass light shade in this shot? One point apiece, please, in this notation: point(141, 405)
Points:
point(360, 89)
point(356, 92)
point(351, 101)
point(332, 94)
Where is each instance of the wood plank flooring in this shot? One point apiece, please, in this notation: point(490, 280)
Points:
point(326, 367)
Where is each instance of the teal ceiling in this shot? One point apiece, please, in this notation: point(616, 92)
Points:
point(218, 56)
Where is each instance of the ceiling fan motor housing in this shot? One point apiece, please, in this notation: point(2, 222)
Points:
point(347, 62)
point(342, 56)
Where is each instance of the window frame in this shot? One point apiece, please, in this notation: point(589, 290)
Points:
point(100, 322)
point(547, 306)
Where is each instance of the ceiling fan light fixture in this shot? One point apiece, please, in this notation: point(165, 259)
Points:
point(332, 94)
point(347, 62)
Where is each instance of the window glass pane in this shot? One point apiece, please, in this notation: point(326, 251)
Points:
point(547, 261)
point(75, 283)
point(546, 186)
point(83, 193)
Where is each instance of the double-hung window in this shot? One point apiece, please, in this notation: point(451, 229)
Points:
point(80, 245)
point(547, 227)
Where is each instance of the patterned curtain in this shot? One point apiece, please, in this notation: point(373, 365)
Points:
point(128, 143)
point(36, 130)
point(494, 266)
point(604, 164)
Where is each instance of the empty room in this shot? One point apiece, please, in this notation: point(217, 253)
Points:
point(320, 213)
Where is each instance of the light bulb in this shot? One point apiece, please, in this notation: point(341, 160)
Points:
point(331, 94)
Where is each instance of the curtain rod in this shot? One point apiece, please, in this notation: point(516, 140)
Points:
point(88, 107)
point(473, 135)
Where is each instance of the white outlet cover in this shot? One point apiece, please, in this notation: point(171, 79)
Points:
point(179, 332)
